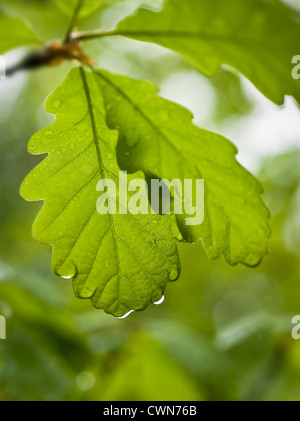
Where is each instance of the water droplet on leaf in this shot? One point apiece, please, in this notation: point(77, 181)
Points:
point(56, 103)
point(125, 315)
point(160, 301)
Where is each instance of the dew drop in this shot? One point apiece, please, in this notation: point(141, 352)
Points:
point(56, 103)
point(125, 315)
point(173, 275)
point(86, 168)
point(160, 301)
point(70, 270)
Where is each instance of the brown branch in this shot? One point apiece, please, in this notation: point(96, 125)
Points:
point(53, 54)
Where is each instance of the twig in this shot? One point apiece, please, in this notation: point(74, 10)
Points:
point(73, 20)
point(53, 54)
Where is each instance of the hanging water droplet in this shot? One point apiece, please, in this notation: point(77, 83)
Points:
point(69, 269)
point(125, 315)
point(173, 275)
point(160, 301)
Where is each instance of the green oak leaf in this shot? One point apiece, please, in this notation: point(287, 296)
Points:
point(258, 38)
point(19, 34)
point(85, 7)
point(158, 137)
point(122, 262)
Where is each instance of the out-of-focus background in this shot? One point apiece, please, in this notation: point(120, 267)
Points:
point(222, 333)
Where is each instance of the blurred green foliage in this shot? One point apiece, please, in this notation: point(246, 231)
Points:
point(223, 333)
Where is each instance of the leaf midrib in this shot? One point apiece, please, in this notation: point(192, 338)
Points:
point(99, 155)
